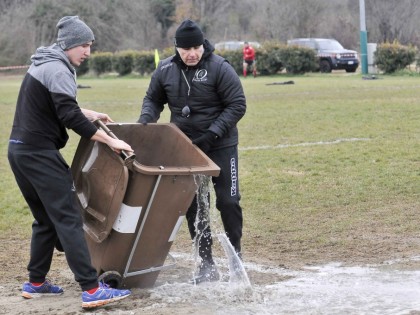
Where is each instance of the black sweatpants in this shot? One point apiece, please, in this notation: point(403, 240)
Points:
point(46, 183)
point(226, 187)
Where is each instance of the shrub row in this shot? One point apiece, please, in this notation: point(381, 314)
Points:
point(122, 62)
point(391, 57)
point(271, 59)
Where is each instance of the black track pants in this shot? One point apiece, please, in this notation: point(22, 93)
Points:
point(226, 187)
point(46, 183)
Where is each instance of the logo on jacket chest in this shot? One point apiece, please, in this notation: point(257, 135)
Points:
point(200, 76)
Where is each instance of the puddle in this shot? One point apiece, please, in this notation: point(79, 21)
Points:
point(328, 289)
point(331, 289)
point(334, 289)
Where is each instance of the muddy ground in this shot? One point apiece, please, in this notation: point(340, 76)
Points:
point(371, 249)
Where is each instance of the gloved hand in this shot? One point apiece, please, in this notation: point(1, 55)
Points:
point(205, 141)
point(145, 119)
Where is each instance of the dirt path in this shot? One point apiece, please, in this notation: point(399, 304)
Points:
point(14, 256)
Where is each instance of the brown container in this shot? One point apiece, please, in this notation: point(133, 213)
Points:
point(132, 209)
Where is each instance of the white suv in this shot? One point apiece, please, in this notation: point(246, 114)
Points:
point(332, 55)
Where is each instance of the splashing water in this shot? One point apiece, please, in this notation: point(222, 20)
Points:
point(202, 219)
point(237, 273)
point(331, 289)
point(206, 215)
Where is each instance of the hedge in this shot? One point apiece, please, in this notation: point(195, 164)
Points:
point(123, 61)
point(391, 57)
point(100, 62)
point(299, 60)
point(272, 58)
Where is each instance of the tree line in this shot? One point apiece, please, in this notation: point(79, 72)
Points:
point(149, 24)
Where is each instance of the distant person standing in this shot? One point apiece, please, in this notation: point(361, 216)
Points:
point(249, 60)
point(45, 109)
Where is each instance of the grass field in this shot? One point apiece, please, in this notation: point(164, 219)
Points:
point(325, 164)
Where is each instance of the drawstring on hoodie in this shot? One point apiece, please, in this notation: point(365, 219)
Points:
point(186, 111)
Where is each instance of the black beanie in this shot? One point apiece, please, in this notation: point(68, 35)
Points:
point(188, 34)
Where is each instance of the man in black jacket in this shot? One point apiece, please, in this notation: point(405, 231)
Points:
point(206, 100)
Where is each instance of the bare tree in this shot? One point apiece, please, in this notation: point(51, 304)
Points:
point(271, 23)
point(44, 18)
point(16, 37)
point(389, 20)
point(139, 27)
point(148, 24)
point(308, 17)
point(341, 21)
point(208, 13)
point(164, 12)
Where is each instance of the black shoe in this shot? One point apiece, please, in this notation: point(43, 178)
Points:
point(207, 272)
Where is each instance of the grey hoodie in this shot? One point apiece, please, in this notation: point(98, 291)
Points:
point(47, 102)
point(57, 74)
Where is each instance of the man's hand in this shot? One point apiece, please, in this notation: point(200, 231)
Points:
point(145, 119)
point(206, 141)
point(93, 116)
point(115, 144)
point(119, 145)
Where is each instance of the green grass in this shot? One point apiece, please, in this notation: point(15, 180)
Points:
point(295, 181)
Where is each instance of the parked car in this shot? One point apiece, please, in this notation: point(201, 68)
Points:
point(332, 55)
point(234, 45)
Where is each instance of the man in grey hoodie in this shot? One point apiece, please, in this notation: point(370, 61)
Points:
point(46, 107)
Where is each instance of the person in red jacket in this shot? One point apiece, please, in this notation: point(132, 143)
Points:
point(249, 59)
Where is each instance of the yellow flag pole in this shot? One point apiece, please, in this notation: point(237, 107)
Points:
point(156, 57)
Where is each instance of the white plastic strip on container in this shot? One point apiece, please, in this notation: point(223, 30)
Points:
point(176, 228)
point(127, 219)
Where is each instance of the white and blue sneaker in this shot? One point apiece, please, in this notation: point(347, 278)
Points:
point(30, 291)
point(103, 295)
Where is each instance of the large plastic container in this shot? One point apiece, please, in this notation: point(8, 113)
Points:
point(132, 209)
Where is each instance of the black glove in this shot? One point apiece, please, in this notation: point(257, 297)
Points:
point(205, 141)
point(145, 119)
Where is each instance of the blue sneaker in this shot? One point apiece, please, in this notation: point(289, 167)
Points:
point(104, 295)
point(30, 291)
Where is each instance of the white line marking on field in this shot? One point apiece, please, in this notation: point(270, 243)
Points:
point(304, 144)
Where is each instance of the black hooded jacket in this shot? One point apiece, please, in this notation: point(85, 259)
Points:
point(216, 99)
point(47, 103)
